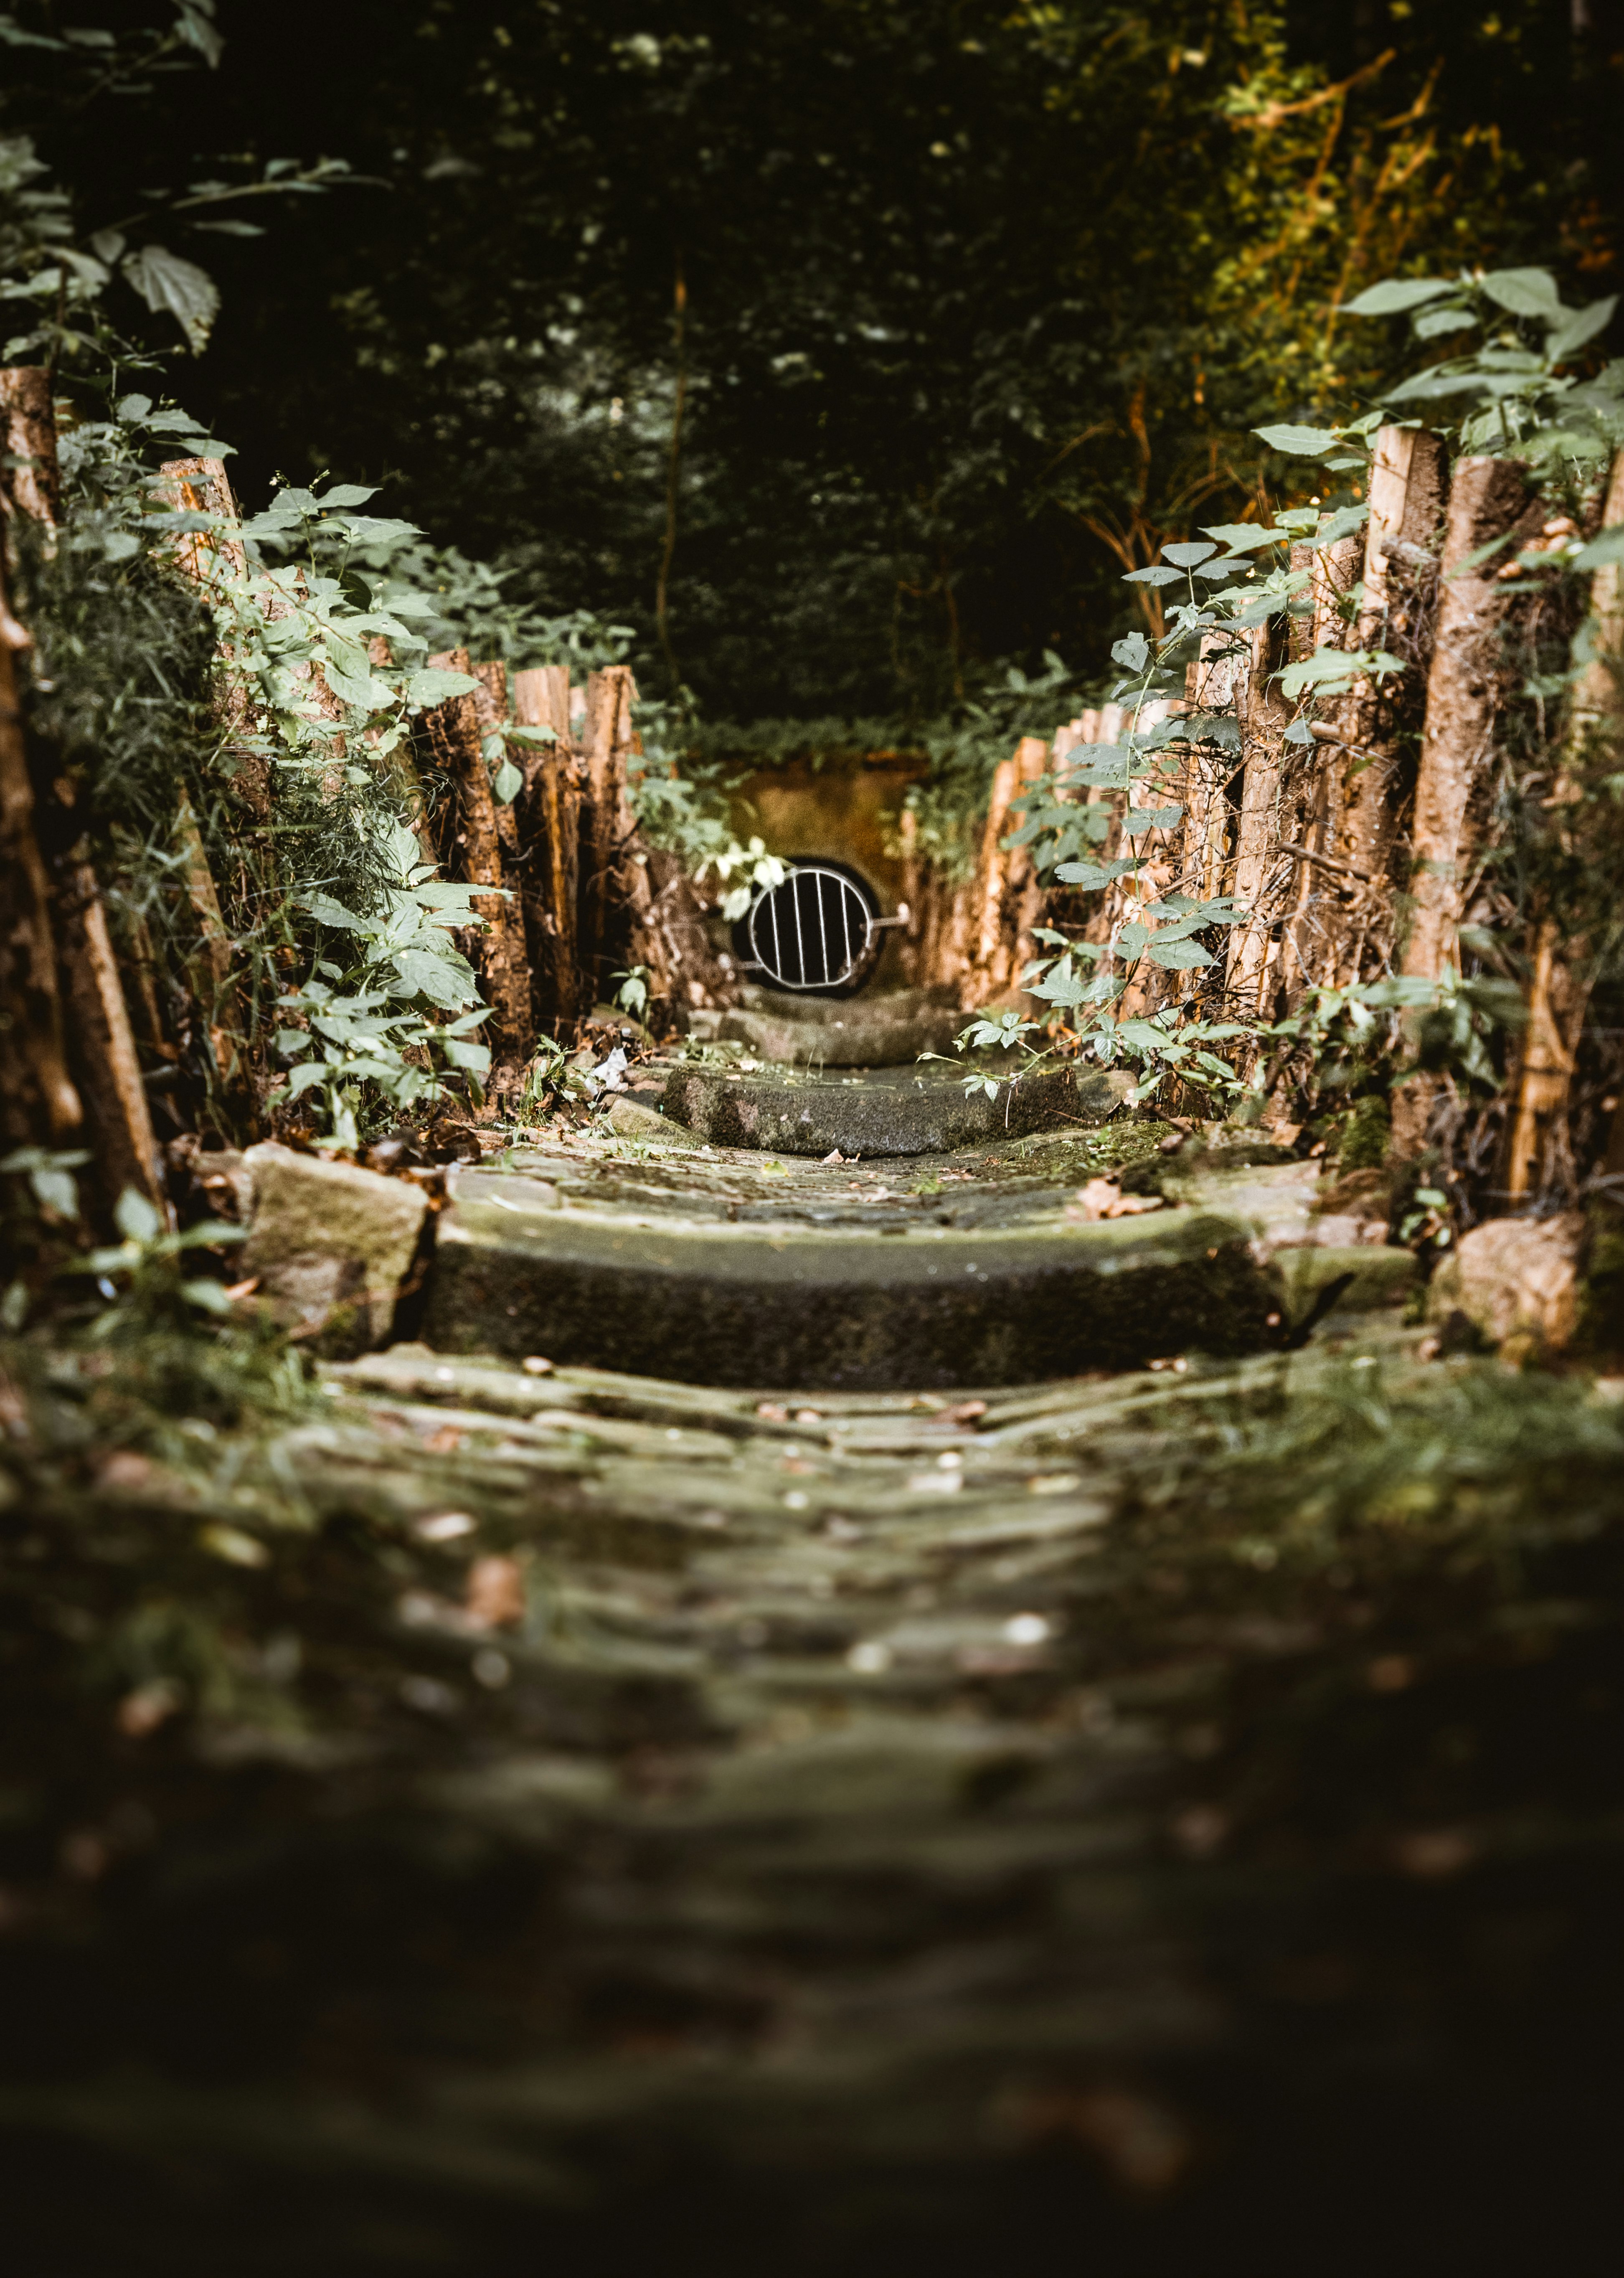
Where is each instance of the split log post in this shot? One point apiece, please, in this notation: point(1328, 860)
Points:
point(1489, 498)
point(40, 1104)
point(1560, 988)
point(102, 1071)
point(498, 951)
point(32, 484)
point(551, 821)
point(1409, 484)
point(1258, 884)
point(605, 821)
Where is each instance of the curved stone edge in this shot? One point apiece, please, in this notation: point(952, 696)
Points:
point(883, 1120)
point(747, 1305)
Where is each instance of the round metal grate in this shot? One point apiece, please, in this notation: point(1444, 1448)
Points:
point(813, 931)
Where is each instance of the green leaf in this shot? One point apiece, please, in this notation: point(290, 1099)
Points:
point(136, 1218)
point(1343, 524)
point(165, 282)
point(1152, 577)
point(1298, 442)
point(1584, 325)
point(328, 912)
point(309, 1071)
point(462, 1055)
point(1394, 295)
point(1334, 671)
point(1438, 322)
point(1131, 654)
point(57, 1190)
point(1245, 537)
point(1179, 956)
point(1185, 557)
point(506, 783)
point(1605, 548)
point(348, 494)
point(208, 1296)
point(428, 688)
point(446, 984)
point(1525, 291)
point(1138, 820)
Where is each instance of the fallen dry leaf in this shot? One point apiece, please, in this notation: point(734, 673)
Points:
point(496, 1592)
point(1104, 1199)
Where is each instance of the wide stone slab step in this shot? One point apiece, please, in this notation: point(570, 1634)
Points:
point(884, 1112)
point(724, 1283)
point(845, 1032)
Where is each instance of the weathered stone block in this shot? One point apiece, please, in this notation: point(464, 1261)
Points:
point(1515, 1277)
point(904, 1112)
point(331, 1245)
point(783, 1302)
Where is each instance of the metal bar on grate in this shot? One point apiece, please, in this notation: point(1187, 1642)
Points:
point(797, 953)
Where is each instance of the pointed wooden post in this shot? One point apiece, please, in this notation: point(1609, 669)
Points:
point(1409, 484)
point(499, 951)
point(105, 1079)
point(541, 699)
point(1487, 498)
point(1560, 988)
point(610, 695)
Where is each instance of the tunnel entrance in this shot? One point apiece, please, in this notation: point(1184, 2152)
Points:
point(818, 930)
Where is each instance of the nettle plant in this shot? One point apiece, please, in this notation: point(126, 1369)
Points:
point(1515, 399)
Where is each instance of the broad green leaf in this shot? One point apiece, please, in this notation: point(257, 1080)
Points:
point(328, 912)
point(1130, 653)
point(1138, 820)
point(1343, 524)
point(428, 688)
point(165, 282)
point(309, 1071)
point(1298, 442)
point(1394, 295)
point(1438, 322)
point(1185, 557)
point(1525, 291)
point(368, 529)
point(1606, 548)
point(136, 1218)
point(446, 984)
point(506, 783)
point(1244, 537)
point(1578, 328)
point(1152, 577)
point(1179, 956)
point(208, 1296)
point(463, 1055)
point(348, 494)
point(55, 1190)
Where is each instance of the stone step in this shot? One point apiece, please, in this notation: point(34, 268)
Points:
point(845, 1032)
point(884, 1112)
point(739, 1272)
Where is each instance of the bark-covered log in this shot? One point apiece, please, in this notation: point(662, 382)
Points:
point(1560, 988)
point(1466, 689)
point(1408, 491)
point(30, 484)
point(551, 850)
point(605, 822)
point(499, 951)
point(1258, 882)
point(88, 1025)
point(38, 1103)
point(668, 933)
point(103, 1055)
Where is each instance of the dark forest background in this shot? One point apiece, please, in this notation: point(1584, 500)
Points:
point(981, 302)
